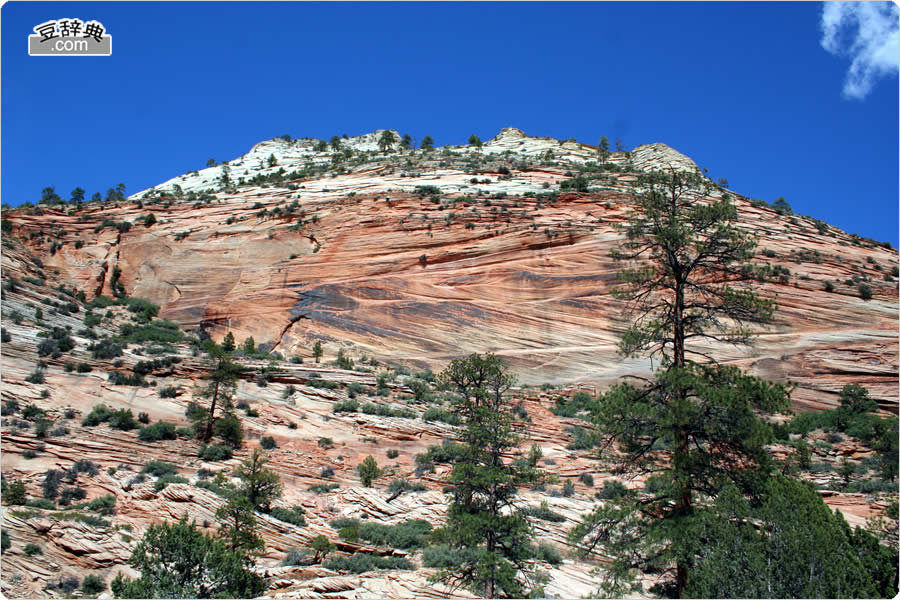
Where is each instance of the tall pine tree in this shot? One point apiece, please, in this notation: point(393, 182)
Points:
point(694, 427)
point(490, 537)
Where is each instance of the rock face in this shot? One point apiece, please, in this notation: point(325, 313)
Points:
point(409, 257)
point(484, 265)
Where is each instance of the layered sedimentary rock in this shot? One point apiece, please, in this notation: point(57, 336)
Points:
point(411, 258)
point(481, 265)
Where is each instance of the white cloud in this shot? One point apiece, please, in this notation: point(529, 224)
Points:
point(867, 32)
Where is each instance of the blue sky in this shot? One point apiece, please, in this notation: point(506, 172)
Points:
point(746, 89)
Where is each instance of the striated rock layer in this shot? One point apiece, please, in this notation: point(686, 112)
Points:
point(419, 279)
point(412, 258)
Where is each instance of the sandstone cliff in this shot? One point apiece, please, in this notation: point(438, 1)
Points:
point(408, 257)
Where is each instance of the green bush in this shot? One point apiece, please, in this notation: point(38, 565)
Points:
point(168, 392)
point(36, 377)
point(324, 488)
point(865, 292)
point(584, 439)
point(580, 403)
point(445, 453)
point(165, 480)
point(322, 384)
point(99, 414)
point(14, 493)
point(50, 485)
point(405, 535)
point(294, 557)
point(440, 557)
point(543, 513)
point(385, 411)
point(159, 330)
point(158, 468)
point(548, 553)
point(117, 378)
point(613, 489)
point(268, 443)
point(381, 386)
point(160, 430)
point(32, 411)
point(89, 520)
point(43, 503)
point(105, 505)
point(438, 414)
point(92, 585)
point(214, 452)
point(41, 427)
point(204, 565)
point(123, 420)
point(230, 430)
point(406, 486)
point(105, 349)
point(32, 549)
point(293, 515)
point(361, 563)
point(872, 486)
point(66, 585)
point(346, 406)
point(71, 493)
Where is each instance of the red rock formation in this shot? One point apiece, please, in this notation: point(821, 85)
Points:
point(381, 269)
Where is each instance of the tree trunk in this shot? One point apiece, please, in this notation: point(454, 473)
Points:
point(489, 584)
point(682, 507)
point(212, 414)
point(678, 323)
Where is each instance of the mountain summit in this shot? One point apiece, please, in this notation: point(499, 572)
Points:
point(292, 154)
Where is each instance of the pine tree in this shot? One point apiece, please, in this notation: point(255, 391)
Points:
point(177, 560)
point(690, 286)
point(386, 141)
point(321, 546)
point(490, 537)
point(259, 485)
point(782, 207)
point(786, 544)
point(427, 143)
point(228, 342)
point(49, 196)
point(603, 149)
point(238, 528)
point(474, 140)
point(368, 471)
point(219, 389)
point(317, 350)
